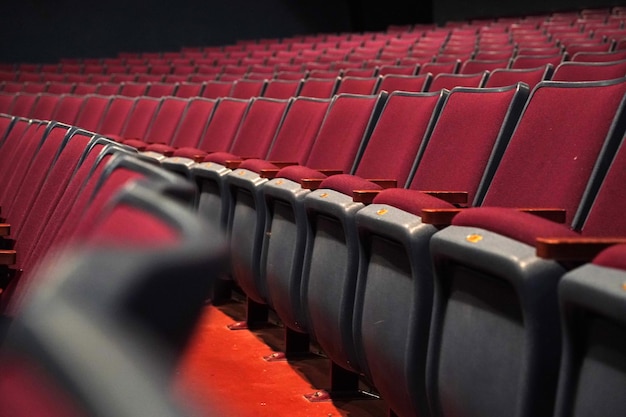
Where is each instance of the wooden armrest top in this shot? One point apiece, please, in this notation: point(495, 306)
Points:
point(7, 257)
point(233, 164)
point(311, 183)
point(364, 196)
point(269, 173)
point(5, 229)
point(439, 217)
point(573, 249)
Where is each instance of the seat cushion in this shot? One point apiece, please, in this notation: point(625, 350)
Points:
point(411, 201)
point(256, 165)
point(613, 257)
point(346, 184)
point(524, 227)
point(298, 172)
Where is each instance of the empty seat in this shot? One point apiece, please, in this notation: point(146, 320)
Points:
point(589, 71)
point(575, 145)
point(473, 66)
point(449, 81)
point(253, 140)
point(530, 76)
point(338, 146)
point(592, 375)
point(332, 246)
point(282, 89)
point(246, 89)
point(190, 128)
point(217, 89)
point(319, 87)
point(160, 90)
point(359, 85)
point(411, 83)
point(534, 61)
point(163, 126)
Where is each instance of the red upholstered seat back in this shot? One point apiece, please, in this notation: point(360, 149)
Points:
point(401, 130)
point(259, 127)
point(555, 146)
point(464, 139)
point(342, 133)
point(224, 125)
point(194, 122)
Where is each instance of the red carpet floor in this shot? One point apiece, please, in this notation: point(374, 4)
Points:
point(224, 374)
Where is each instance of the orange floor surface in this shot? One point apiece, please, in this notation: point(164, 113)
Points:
point(223, 373)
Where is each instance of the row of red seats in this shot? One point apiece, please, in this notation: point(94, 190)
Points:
point(108, 226)
point(441, 319)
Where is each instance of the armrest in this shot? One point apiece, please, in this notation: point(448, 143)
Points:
point(7, 257)
point(384, 183)
point(573, 249)
point(439, 217)
point(233, 164)
point(364, 196)
point(269, 173)
point(452, 197)
point(311, 183)
point(5, 229)
point(443, 217)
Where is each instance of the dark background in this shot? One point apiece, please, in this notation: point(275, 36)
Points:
point(44, 30)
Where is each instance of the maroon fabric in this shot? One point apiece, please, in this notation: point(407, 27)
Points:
point(449, 81)
point(193, 123)
point(397, 137)
point(298, 172)
point(282, 88)
point(27, 390)
point(504, 77)
point(246, 89)
point(223, 126)
point(357, 85)
point(159, 148)
point(346, 184)
point(298, 131)
point(44, 107)
point(116, 116)
point(135, 143)
point(613, 257)
point(606, 217)
point(141, 117)
point(221, 157)
point(259, 128)
point(397, 82)
point(341, 133)
point(555, 146)
point(410, 201)
point(166, 120)
point(462, 142)
point(92, 113)
point(524, 227)
point(583, 71)
point(190, 153)
point(133, 227)
point(318, 87)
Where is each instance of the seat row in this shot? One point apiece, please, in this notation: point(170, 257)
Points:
point(388, 292)
point(110, 230)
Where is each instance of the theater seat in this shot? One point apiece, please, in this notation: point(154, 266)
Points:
point(593, 366)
